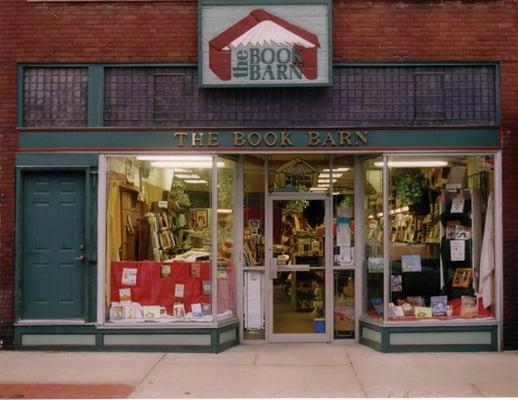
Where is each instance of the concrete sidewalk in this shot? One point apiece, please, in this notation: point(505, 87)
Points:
point(273, 370)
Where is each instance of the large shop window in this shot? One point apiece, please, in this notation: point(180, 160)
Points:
point(164, 255)
point(440, 256)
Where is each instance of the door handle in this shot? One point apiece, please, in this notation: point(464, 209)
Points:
point(80, 258)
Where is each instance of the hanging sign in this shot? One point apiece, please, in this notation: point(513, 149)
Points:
point(255, 44)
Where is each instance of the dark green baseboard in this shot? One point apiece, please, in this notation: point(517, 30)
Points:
point(432, 338)
point(92, 338)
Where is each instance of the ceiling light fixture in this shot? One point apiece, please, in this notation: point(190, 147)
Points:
point(186, 164)
point(413, 164)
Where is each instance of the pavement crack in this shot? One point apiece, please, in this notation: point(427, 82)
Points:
point(151, 370)
point(362, 388)
point(480, 392)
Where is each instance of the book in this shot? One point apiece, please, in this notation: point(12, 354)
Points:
point(439, 305)
point(411, 263)
point(197, 311)
point(457, 205)
point(125, 295)
point(129, 276)
point(179, 290)
point(395, 311)
point(396, 282)
point(377, 304)
point(206, 287)
point(130, 312)
point(457, 250)
point(115, 312)
point(450, 231)
point(468, 307)
point(408, 309)
point(423, 312)
point(165, 271)
point(462, 232)
point(463, 278)
point(178, 310)
point(417, 301)
point(151, 311)
point(206, 308)
point(196, 270)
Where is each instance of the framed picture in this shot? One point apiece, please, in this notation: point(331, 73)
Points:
point(202, 219)
point(463, 278)
point(165, 239)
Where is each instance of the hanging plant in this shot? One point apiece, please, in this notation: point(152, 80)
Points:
point(178, 195)
point(408, 185)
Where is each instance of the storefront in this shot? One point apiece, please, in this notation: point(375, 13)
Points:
point(259, 235)
point(265, 194)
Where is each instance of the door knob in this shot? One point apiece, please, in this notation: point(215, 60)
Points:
point(80, 258)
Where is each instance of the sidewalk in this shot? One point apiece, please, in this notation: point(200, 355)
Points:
point(273, 370)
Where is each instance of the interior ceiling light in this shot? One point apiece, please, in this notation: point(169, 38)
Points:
point(195, 181)
point(344, 169)
point(185, 164)
point(224, 211)
point(173, 158)
point(318, 189)
point(326, 181)
point(187, 176)
point(413, 164)
point(329, 175)
point(323, 185)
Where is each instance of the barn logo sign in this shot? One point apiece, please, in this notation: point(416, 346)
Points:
point(266, 46)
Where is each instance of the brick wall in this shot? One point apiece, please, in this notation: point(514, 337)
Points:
point(167, 31)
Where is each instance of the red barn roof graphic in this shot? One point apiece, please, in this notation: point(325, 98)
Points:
point(261, 28)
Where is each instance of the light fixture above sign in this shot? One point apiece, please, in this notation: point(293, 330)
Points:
point(254, 43)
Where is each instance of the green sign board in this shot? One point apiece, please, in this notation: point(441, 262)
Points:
point(262, 140)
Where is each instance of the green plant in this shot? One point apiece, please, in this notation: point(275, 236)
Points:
point(408, 185)
point(178, 195)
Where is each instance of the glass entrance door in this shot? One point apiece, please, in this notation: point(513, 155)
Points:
point(298, 253)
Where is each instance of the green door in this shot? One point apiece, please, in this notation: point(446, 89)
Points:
point(53, 233)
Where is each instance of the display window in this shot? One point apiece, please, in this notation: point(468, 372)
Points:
point(162, 244)
point(373, 236)
point(441, 239)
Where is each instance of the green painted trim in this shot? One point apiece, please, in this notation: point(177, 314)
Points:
point(367, 342)
point(142, 140)
point(19, 95)
point(387, 348)
point(91, 251)
point(18, 248)
point(95, 95)
point(61, 160)
point(414, 63)
point(100, 332)
point(54, 65)
point(440, 348)
point(498, 100)
point(60, 339)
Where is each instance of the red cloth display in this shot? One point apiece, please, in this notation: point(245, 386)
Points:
point(153, 290)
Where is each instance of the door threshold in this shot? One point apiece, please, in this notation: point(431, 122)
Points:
point(23, 322)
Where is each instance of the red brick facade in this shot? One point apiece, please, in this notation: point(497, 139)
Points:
point(166, 31)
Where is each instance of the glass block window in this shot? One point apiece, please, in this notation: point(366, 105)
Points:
point(359, 97)
point(55, 97)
